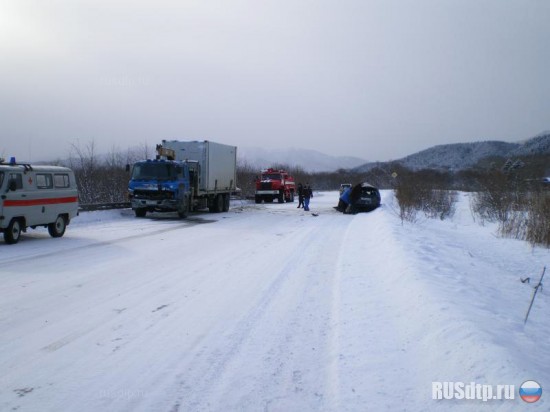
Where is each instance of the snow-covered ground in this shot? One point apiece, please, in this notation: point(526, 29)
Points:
point(268, 308)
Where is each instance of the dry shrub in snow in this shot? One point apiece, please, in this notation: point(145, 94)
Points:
point(538, 223)
point(425, 192)
point(521, 208)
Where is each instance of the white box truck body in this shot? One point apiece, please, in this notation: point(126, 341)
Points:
point(217, 163)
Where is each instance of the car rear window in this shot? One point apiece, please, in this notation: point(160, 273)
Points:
point(368, 191)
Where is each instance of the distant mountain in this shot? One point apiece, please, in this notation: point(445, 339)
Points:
point(458, 155)
point(308, 160)
point(539, 144)
point(464, 155)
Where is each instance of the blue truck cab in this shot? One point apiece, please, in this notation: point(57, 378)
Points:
point(160, 185)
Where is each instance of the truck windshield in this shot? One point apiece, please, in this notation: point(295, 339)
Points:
point(271, 176)
point(156, 171)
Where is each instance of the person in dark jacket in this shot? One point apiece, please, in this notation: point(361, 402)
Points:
point(300, 195)
point(308, 194)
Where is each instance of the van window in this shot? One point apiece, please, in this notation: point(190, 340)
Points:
point(61, 180)
point(18, 177)
point(44, 181)
point(1, 178)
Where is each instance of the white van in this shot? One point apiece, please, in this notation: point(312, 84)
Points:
point(32, 196)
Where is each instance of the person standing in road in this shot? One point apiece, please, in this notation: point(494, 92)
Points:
point(300, 195)
point(308, 194)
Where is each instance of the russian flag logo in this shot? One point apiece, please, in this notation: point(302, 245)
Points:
point(530, 391)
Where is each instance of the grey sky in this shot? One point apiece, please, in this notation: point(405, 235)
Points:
point(374, 79)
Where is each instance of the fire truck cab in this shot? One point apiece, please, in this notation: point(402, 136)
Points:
point(275, 184)
point(32, 196)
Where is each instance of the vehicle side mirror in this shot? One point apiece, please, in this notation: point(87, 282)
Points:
point(12, 185)
point(127, 168)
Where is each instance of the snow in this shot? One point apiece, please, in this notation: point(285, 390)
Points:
point(268, 308)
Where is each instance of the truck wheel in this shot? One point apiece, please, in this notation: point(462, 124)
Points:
point(140, 212)
point(57, 228)
point(226, 201)
point(13, 232)
point(217, 204)
point(281, 197)
point(184, 210)
point(258, 199)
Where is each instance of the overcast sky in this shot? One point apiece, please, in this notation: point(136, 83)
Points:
point(375, 79)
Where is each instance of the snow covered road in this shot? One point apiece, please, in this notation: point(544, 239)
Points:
point(267, 308)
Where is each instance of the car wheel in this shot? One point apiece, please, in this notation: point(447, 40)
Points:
point(13, 232)
point(57, 228)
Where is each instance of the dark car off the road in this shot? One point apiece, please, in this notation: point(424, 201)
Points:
point(362, 197)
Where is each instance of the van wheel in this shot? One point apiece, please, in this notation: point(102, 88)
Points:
point(13, 232)
point(140, 212)
point(57, 228)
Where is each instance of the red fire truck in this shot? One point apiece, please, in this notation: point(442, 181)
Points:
point(275, 184)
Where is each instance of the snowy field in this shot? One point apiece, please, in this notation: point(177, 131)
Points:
point(268, 308)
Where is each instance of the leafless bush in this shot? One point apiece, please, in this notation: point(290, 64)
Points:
point(410, 196)
point(84, 162)
point(440, 204)
point(246, 178)
point(515, 225)
point(538, 223)
point(497, 199)
point(521, 209)
point(102, 178)
point(424, 192)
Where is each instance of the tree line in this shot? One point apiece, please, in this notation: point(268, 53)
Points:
point(506, 191)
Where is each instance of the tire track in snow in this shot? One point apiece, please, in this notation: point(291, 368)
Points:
point(285, 344)
point(54, 249)
point(139, 296)
point(149, 289)
point(220, 357)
